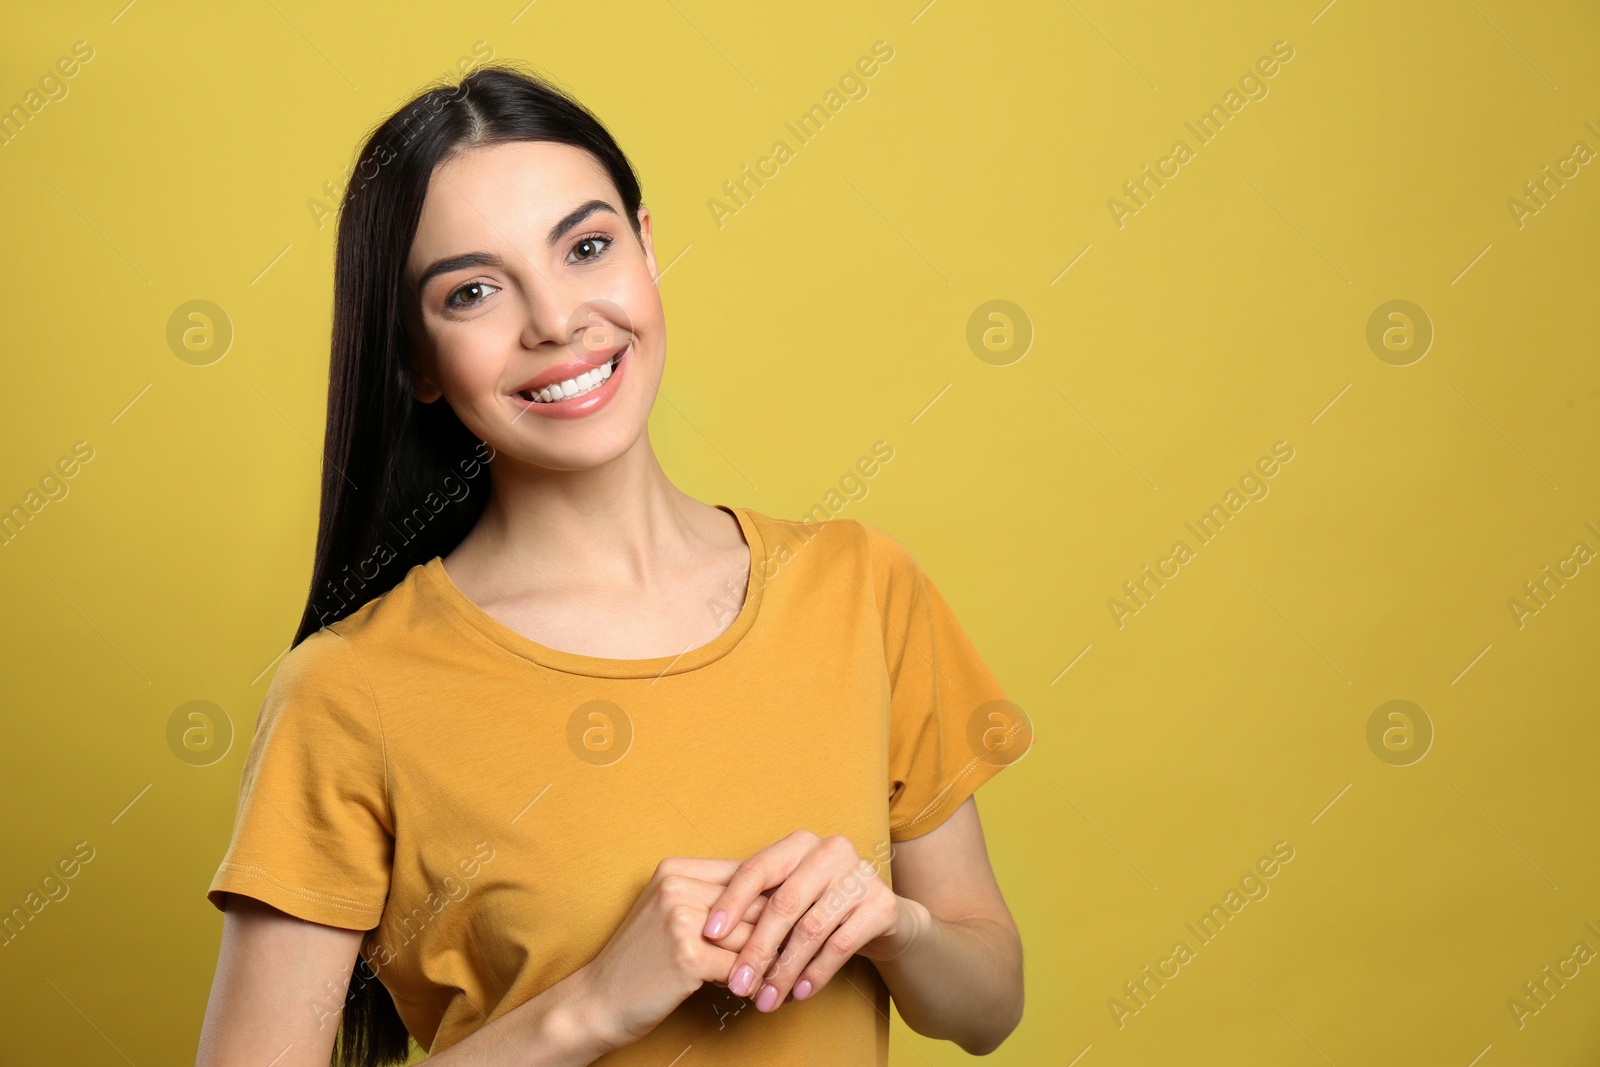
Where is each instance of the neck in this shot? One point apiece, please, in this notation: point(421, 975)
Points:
point(622, 524)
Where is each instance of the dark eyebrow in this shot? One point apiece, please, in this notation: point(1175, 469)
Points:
point(489, 259)
point(462, 262)
point(576, 216)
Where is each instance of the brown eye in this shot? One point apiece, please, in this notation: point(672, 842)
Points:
point(596, 243)
point(453, 302)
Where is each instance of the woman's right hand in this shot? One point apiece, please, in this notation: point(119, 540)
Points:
point(659, 955)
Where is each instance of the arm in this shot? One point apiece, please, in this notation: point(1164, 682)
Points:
point(961, 977)
point(280, 987)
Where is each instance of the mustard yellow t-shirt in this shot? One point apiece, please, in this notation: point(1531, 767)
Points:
point(490, 807)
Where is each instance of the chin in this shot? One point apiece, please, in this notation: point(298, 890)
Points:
point(579, 450)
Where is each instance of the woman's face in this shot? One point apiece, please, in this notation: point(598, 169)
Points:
point(530, 275)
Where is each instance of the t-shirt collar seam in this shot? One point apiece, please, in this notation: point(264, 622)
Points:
point(753, 588)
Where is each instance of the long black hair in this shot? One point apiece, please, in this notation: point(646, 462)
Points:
point(404, 481)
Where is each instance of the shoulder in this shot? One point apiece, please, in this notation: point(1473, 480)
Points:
point(887, 553)
point(320, 710)
point(896, 575)
point(321, 675)
point(833, 545)
point(873, 562)
point(320, 660)
point(385, 620)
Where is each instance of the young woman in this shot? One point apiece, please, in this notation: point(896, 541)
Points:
point(565, 766)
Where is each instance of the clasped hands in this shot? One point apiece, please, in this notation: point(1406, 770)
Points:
point(823, 904)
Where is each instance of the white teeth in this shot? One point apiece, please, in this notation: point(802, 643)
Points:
point(583, 383)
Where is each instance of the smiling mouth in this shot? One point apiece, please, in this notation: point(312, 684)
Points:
point(586, 382)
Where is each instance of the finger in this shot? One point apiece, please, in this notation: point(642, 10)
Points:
point(711, 890)
point(765, 870)
point(705, 960)
point(686, 889)
point(836, 952)
point(712, 963)
point(751, 915)
point(675, 890)
point(804, 885)
point(733, 941)
point(836, 906)
point(706, 869)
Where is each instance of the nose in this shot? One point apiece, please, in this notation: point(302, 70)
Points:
point(560, 312)
point(593, 330)
point(551, 305)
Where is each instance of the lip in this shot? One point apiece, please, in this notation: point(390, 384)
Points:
point(570, 369)
point(579, 406)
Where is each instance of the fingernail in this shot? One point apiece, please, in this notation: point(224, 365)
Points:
point(767, 999)
point(802, 989)
point(743, 979)
point(714, 925)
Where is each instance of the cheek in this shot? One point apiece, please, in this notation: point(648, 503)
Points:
point(640, 301)
point(469, 362)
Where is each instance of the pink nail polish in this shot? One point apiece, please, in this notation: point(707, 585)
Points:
point(802, 989)
point(714, 926)
point(742, 980)
point(767, 999)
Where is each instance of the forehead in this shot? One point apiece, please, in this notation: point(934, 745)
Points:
point(505, 193)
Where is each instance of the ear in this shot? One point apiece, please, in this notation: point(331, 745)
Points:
point(646, 241)
point(422, 385)
point(425, 391)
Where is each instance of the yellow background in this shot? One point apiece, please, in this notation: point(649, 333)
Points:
point(831, 312)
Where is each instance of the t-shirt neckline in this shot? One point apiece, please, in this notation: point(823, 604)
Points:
point(599, 667)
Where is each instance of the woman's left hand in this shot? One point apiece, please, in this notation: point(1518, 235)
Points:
point(831, 904)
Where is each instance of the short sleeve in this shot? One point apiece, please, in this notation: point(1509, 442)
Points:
point(951, 726)
point(314, 832)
